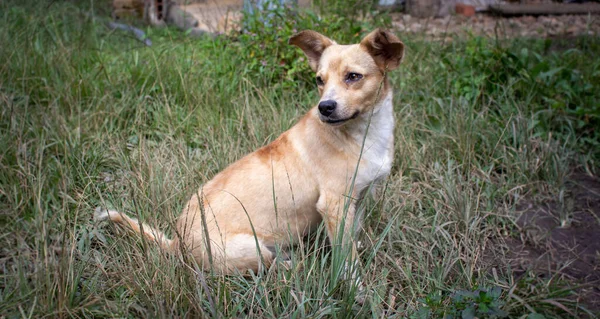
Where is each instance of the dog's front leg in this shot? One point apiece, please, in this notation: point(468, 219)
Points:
point(339, 215)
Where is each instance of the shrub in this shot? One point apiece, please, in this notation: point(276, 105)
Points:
point(558, 87)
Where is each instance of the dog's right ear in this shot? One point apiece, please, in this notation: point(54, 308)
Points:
point(385, 48)
point(313, 44)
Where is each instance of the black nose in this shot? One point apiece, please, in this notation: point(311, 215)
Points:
point(327, 107)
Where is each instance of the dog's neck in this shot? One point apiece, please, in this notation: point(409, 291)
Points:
point(373, 128)
point(376, 130)
point(372, 123)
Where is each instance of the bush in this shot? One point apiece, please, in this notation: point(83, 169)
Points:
point(558, 87)
point(565, 93)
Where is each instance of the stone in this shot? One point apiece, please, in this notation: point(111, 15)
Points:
point(465, 10)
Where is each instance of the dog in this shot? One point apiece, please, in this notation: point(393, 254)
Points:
point(317, 171)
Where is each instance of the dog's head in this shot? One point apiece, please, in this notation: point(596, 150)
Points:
point(351, 78)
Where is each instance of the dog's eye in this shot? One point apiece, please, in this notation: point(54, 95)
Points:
point(352, 77)
point(319, 81)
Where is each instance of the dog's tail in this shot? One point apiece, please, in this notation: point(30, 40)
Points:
point(134, 226)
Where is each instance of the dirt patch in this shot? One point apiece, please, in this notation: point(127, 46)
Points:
point(448, 27)
point(561, 238)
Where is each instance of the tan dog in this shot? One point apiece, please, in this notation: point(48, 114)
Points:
point(277, 194)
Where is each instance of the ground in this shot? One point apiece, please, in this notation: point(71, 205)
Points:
point(560, 238)
point(502, 27)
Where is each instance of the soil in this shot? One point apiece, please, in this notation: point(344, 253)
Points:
point(448, 27)
point(561, 239)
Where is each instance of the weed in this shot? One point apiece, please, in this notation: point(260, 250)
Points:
point(480, 303)
point(558, 87)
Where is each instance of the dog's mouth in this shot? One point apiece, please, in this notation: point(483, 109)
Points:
point(336, 122)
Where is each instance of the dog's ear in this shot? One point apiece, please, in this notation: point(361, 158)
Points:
point(313, 44)
point(385, 48)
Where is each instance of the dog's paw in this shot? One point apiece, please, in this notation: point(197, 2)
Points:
point(283, 264)
point(360, 246)
point(101, 214)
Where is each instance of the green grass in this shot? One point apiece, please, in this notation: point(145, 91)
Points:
point(90, 117)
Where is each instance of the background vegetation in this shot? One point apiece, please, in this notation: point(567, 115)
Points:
point(91, 117)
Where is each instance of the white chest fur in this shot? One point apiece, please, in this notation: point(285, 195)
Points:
point(378, 151)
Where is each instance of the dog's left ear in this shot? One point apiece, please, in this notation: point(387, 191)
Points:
point(385, 48)
point(313, 44)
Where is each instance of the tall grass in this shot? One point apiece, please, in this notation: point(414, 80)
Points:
point(90, 117)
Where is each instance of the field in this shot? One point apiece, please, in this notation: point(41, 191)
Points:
point(492, 208)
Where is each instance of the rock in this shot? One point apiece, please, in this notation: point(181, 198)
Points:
point(465, 10)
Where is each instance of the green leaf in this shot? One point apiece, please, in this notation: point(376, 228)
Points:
point(549, 74)
point(535, 315)
point(468, 313)
point(483, 308)
point(495, 292)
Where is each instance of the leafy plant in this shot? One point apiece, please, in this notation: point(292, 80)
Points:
point(480, 303)
point(564, 93)
point(558, 86)
point(482, 68)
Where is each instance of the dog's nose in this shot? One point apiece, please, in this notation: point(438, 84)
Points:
point(327, 107)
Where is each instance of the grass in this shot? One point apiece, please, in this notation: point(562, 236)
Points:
point(91, 117)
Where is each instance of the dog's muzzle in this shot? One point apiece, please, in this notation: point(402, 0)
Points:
point(328, 114)
point(340, 121)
